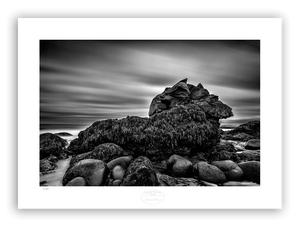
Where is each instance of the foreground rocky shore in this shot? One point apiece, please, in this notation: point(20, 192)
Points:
point(180, 144)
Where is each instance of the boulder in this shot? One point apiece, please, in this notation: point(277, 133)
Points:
point(75, 146)
point(47, 166)
point(140, 173)
point(123, 161)
point(253, 144)
point(77, 181)
point(51, 144)
point(232, 171)
point(179, 166)
point(116, 183)
point(210, 173)
point(251, 171)
point(178, 124)
point(105, 152)
point(94, 172)
point(118, 173)
point(165, 180)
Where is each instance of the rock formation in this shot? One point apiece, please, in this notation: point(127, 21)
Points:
point(183, 119)
point(51, 144)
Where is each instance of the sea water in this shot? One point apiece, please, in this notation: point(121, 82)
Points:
point(54, 179)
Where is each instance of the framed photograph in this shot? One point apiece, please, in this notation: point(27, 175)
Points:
point(149, 113)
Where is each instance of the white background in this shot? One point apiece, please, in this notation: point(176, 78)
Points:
point(30, 31)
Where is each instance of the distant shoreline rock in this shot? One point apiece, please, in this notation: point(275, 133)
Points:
point(63, 134)
point(244, 132)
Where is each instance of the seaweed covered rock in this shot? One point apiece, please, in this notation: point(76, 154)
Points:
point(105, 152)
point(51, 144)
point(94, 172)
point(244, 132)
point(183, 119)
point(140, 173)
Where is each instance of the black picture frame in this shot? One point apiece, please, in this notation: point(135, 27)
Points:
point(149, 216)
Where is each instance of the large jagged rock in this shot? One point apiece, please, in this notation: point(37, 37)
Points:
point(51, 144)
point(177, 95)
point(183, 119)
point(183, 93)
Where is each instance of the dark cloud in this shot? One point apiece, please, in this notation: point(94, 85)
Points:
point(82, 81)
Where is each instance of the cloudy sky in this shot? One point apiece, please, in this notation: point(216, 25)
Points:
point(82, 81)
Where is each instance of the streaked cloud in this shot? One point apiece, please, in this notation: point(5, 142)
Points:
point(85, 81)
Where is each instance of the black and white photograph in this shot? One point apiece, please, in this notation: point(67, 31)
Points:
point(117, 113)
point(156, 113)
